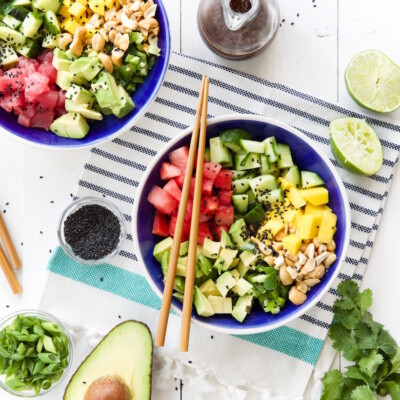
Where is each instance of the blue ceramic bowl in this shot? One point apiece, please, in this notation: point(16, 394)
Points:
point(110, 126)
point(307, 156)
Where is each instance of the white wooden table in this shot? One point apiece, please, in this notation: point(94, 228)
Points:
point(310, 53)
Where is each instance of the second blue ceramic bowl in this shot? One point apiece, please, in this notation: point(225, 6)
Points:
point(110, 126)
point(307, 156)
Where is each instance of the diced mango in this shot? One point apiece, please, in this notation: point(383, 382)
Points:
point(77, 10)
point(83, 19)
point(110, 4)
point(83, 2)
point(273, 226)
point(309, 226)
point(70, 25)
point(91, 32)
point(289, 215)
point(311, 209)
point(97, 6)
point(316, 196)
point(285, 185)
point(297, 218)
point(67, 3)
point(327, 227)
point(64, 12)
point(278, 210)
point(292, 243)
point(295, 197)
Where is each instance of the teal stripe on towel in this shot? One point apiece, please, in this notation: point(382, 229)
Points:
point(135, 288)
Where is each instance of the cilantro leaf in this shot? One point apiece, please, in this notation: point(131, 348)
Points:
point(349, 289)
point(391, 388)
point(365, 337)
point(396, 362)
point(349, 317)
point(375, 326)
point(362, 393)
point(386, 343)
point(343, 341)
point(370, 364)
point(333, 385)
point(365, 300)
point(354, 372)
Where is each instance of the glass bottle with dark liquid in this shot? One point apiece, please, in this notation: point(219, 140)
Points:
point(238, 29)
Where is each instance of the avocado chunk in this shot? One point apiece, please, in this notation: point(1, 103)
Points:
point(118, 368)
point(80, 95)
point(106, 90)
point(74, 107)
point(203, 306)
point(87, 67)
point(161, 247)
point(70, 125)
point(126, 105)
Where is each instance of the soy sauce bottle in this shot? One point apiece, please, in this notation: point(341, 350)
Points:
point(238, 29)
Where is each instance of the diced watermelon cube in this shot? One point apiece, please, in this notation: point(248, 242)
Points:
point(225, 215)
point(60, 108)
point(204, 218)
point(46, 57)
point(179, 157)
point(207, 186)
point(35, 85)
point(173, 189)
point(204, 232)
point(24, 120)
point(225, 196)
point(23, 62)
point(160, 224)
point(169, 171)
point(162, 200)
point(209, 205)
point(43, 118)
point(48, 70)
point(217, 231)
point(49, 100)
point(179, 180)
point(224, 180)
point(211, 170)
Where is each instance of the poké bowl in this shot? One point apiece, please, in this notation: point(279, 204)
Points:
point(111, 126)
point(307, 156)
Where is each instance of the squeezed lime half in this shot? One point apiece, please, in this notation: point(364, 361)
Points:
point(355, 145)
point(373, 80)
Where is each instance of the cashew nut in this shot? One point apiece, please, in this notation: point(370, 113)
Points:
point(311, 282)
point(331, 246)
point(106, 61)
point(151, 11)
point(122, 41)
point(297, 297)
point(330, 260)
point(64, 40)
point(317, 273)
point(98, 42)
point(77, 44)
point(286, 278)
point(148, 24)
point(322, 248)
point(316, 243)
point(116, 56)
point(302, 286)
point(128, 23)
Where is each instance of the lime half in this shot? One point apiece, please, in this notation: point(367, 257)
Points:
point(355, 145)
point(373, 80)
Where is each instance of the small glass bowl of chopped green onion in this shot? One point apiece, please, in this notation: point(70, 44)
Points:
point(35, 353)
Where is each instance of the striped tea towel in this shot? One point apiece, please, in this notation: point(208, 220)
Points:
point(99, 297)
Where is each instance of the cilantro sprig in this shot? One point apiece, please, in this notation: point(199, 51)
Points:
point(376, 355)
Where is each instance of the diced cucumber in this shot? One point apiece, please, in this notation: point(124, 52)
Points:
point(240, 202)
point(7, 54)
point(247, 161)
point(19, 13)
point(293, 175)
point(23, 3)
point(271, 149)
point(11, 36)
point(226, 242)
point(207, 155)
point(31, 24)
point(50, 41)
point(271, 197)
point(251, 196)
point(261, 183)
point(265, 168)
point(219, 154)
point(310, 179)
point(231, 138)
point(12, 22)
point(51, 22)
point(48, 5)
point(238, 174)
point(241, 185)
point(286, 156)
point(274, 169)
point(256, 216)
point(252, 146)
point(237, 232)
point(30, 49)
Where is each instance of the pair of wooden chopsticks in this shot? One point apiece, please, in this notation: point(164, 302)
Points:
point(12, 255)
point(200, 122)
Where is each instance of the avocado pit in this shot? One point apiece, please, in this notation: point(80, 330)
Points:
point(108, 388)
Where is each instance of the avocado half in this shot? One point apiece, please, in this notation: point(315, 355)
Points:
point(118, 368)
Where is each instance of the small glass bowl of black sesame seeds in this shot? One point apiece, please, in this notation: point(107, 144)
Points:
point(92, 230)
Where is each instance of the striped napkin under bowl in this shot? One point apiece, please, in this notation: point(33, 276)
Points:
point(229, 366)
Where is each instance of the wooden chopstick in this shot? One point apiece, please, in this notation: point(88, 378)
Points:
point(8, 244)
point(194, 229)
point(9, 273)
point(169, 282)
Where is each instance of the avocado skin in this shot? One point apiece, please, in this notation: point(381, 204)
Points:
point(104, 338)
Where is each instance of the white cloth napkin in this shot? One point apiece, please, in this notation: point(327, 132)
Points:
point(277, 364)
